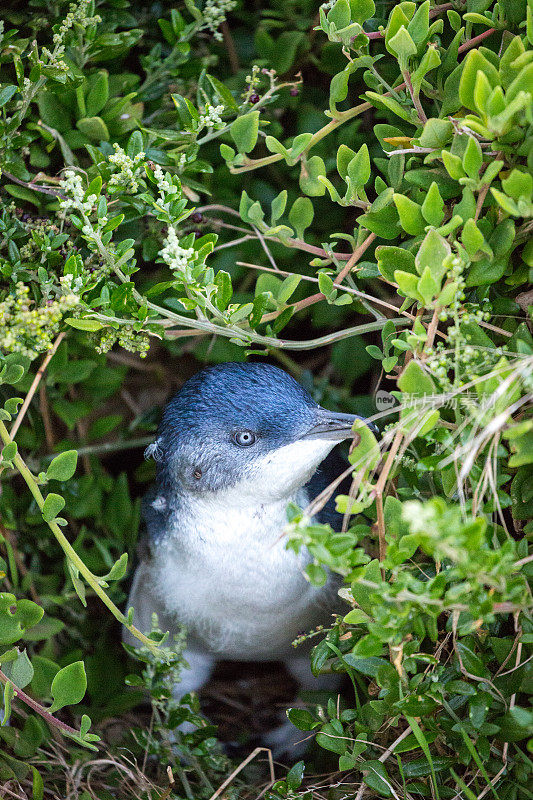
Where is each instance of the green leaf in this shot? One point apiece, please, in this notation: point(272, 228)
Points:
point(9, 694)
point(222, 91)
point(69, 686)
point(90, 325)
point(227, 152)
point(9, 451)
point(98, 94)
point(6, 93)
point(436, 133)
point(472, 238)
point(475, 62)
point(505, 202)
point(302, 719)
point(420, 737)
point(338, 88)
point(301, 215)
point(52, 112)
point(316, 574)
point(411, 218)
point(482, 92)
point(367, 453)
point(259, 307)
point(20, 670)
point(471, 661)
point(522, 83)
point(288, 287)
point(37, 785)
point(224, 289)
point(278, 205)
point(392, 105)
point(414, 380)
point(63, 466)
point(472, 158)
point(244, 131)
point(375, 776)
point(93, 127)
point(428, 287)
point(16, 616)
point(362, 10)
point(118, 570)
point(340, 14)
point(433, 206)
point(52, 506)
point(407, 283)
point(402, 45)
point(295, 775)
point(332, 737)
point(453, 165)
point(393, 258)
point(325, 284)
point(358, 169)
point(518, 185)
point(309, 174)
point(344, 156)
point(432, 252)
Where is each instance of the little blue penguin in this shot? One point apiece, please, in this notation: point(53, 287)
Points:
point(236, 445)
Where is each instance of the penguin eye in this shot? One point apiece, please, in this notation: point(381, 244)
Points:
point(244, 438)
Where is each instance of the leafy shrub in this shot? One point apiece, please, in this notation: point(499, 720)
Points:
point(148, 162)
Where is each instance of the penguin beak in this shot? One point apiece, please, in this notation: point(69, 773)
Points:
point(334, 426)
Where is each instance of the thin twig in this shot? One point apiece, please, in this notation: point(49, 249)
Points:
point(476, 40)
point(241, 766)
point(39, 709)
point(315, 298)
point(34, 186)
point(35, 384)
point(414, 97)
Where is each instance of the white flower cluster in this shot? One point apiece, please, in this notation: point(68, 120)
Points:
point(77, 15)
point(162, 183)
point(127, 179)
point(215, 14)
point(70, 284)
point(72, 186)
point(211, 116)
point(174, 255)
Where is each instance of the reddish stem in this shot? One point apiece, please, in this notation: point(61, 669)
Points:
point(472, 42)
point(39, 709)
point(315, 298)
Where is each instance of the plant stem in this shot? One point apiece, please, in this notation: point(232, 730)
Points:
point(39, 709)
point(476, 40)
point(309, 344)
point(315, 298)
point(34, 186)
point(35, 384)
point(109, 447)
point(414, 97)
point(343, 116)
point(67, 548)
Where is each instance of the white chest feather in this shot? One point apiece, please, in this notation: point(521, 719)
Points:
point(225, 573)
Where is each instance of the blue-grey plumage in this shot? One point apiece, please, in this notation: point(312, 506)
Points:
point(236, 444)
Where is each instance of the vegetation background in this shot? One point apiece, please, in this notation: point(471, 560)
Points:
point(347, 191)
